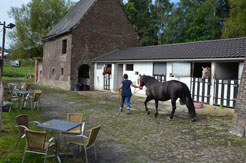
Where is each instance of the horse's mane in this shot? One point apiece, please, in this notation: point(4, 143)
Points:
point(149, 78)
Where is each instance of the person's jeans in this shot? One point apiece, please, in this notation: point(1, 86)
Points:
point(123, 98)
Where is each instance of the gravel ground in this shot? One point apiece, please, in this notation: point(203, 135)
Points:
point(143, 138)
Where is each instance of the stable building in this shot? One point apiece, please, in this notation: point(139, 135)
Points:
point(183, 62)
point(90, 29)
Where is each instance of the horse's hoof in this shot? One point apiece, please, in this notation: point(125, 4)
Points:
point(148, 112)
point(169, 119)
point(193, 120)
point(156, 115)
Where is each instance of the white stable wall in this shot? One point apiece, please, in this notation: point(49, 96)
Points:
point(98, 77)
point(240, 70)
point(170, 75)
point(134, 76)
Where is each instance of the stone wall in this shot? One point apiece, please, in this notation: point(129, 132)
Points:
point(239, 118)
point(38, 69)
point(54, 59)
point(105, 28)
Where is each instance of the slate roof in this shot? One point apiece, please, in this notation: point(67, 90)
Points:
point(211, 49)
point(71, 19)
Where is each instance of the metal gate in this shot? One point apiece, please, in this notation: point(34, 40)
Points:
point(200, 90)
point(225, 92)
point(160, 78)
point(106, 81)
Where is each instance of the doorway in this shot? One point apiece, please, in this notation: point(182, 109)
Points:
point(84, 75)
point(120, 74)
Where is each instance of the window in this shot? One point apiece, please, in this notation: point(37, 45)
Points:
point(61, 71)
point(159, 68)
point(99, 66)
point(181, 69)
point(129, 67)
point(64, 46)
point(53, 71)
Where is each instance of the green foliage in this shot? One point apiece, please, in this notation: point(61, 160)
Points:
point(196, 20)
point(143, 17)
point(166, 22)
point(235, 24)
point(163, 9)
point(33, 21)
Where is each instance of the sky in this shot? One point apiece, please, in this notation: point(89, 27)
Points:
point(5, 8)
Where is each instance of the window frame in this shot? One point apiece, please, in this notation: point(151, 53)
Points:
point(128, 67)
point(64, 46)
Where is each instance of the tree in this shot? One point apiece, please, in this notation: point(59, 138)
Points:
point(194, 20)
point(33, 21)
point(163, 10)
point(142, 15)
point(235, 24)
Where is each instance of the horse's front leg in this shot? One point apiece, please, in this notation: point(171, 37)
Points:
point(145, 103)
point(156, 108)
point(173, 101)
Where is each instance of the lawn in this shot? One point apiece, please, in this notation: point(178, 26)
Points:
point(16, 72)
point(9, 131)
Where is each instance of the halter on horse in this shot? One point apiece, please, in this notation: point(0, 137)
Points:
point(206, 72)
point(165, 91)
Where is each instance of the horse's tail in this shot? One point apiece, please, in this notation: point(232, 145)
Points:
point(189, 102)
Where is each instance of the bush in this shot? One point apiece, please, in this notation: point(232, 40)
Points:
point(27, 63)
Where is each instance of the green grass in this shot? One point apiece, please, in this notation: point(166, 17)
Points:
point(10, 135)
point(15, 72)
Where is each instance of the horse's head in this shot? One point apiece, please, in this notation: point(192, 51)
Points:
point(141, 82)
point(206, 72)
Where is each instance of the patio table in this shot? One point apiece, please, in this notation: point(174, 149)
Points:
point(23, 95)
point(13, 85)
point(59, 126)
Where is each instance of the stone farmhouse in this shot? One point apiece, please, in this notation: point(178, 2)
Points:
point(90, 29)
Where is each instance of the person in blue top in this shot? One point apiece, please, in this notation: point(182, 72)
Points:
point(126, 92)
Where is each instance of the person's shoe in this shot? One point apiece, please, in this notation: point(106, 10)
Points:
point(128, 111)
point(121, 109)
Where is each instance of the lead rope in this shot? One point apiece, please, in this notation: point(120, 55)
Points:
point(119, 97)
point(136, 91)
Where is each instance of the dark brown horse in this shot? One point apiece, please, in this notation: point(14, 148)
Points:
point(165, 91)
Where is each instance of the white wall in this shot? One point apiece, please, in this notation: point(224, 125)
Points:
point(170, 75)
point(141, 68)
point(147, 69)
point(240, 70)
point(98, 78)
point(138, 68)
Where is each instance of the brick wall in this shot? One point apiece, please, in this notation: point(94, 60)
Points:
point(105, 28)
point(54, 59)
point(239, 118)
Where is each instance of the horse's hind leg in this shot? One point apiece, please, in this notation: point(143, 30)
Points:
point(156, 108)
point(173, 101)
point(145, 103)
